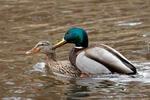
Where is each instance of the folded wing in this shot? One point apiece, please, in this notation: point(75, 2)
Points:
point(111, 59)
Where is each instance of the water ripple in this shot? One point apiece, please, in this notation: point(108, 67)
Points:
point(5, 42)
point(39, 67)
point(15, 98)
point(17, 91)
point(146, 35)
point(37, 84)
point(130, 24)
point(66, 11)
point(9, 83)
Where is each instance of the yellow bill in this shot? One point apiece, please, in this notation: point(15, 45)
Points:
point(59, 44)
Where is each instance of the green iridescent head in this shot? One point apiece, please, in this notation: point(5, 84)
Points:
point(77, 36)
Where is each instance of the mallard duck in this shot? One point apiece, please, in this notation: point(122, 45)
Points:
point(60, 67)
point(100, 59)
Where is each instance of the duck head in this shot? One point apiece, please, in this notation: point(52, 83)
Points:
point(43, 47)
point(76, 36)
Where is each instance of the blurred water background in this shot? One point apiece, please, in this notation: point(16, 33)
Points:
point(121, 24)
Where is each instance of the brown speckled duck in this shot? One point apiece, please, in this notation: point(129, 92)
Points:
point(100, 59)
point(62, 67)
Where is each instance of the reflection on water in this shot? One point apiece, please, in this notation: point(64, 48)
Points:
point(146, 34)
point(130, 24)
point(39, 67)
point(123, 25)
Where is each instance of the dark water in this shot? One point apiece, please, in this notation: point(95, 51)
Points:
point(121, 24)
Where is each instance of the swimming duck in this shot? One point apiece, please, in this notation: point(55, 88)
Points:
point(59, 67)
point(100, 59)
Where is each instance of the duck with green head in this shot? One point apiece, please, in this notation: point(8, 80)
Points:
point(100, 59)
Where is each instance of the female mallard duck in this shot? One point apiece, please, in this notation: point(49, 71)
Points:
point(95, 59)
point(62, 67)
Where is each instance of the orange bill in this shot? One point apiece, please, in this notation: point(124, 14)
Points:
point(32, 51)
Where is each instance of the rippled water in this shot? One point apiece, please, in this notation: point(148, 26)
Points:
point(121, 24)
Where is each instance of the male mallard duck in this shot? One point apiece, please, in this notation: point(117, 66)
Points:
point(62, 67)
point(95, 59)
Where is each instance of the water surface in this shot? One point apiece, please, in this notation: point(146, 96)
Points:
point(123, 25)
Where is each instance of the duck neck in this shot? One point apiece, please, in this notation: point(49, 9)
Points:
point(51, 57)
point(73, 54)
point(79, 47)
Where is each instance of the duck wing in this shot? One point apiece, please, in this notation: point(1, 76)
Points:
point(90, 66)
point(111, 59)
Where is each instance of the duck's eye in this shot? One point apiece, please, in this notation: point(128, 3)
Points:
point(67, 33)
point(40, 45)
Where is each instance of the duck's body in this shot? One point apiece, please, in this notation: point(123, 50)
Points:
point(63, 67)
point(100, 59)
point(60, 67)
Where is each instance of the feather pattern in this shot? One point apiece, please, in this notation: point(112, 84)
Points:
point(64, 67)
point(94, 60)
point(60, 67)
point(103, 59)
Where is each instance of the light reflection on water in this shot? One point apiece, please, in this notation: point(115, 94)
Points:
point(123, 25)
point(130, 24)
point(39, 67)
